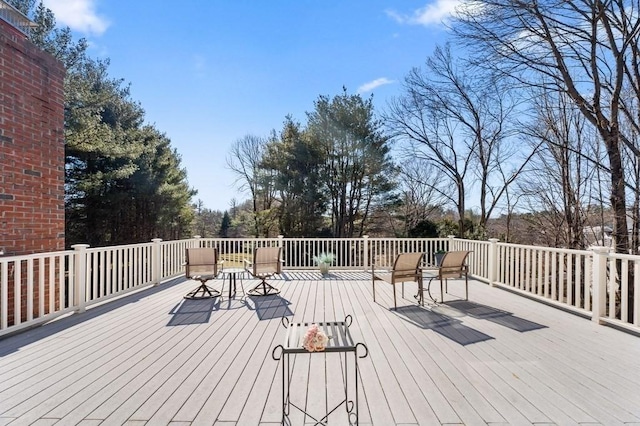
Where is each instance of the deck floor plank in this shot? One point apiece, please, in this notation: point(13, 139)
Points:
point(150, 358)
point(403, 364)
point(117, 387)
point(79, 370)
point(261, 359)
point(391, 406)
point(463, 411)
point(265, 393)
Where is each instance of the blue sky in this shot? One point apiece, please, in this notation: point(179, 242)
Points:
point(209, 72)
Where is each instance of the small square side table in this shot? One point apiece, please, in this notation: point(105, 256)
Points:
point(340, 341)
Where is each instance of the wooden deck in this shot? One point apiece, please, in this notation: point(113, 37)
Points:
point(153, 358)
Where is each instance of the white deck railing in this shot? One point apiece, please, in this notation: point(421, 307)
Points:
point(40, 287)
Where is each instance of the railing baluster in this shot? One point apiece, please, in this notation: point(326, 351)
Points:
point(611, 288)
point(4, 294)
point(17, 293)
point(578, 285)
point(570, 300)
point(41, 286)
point(624, 291)
point(636, 293)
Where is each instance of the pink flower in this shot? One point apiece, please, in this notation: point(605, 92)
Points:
point(315, 340)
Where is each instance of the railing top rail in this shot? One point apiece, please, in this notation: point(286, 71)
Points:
point(22, 257)
point(478, 242)
point(553, 249)
point(320, 239)
point(96, 249)
point(623, 256)
point(237, 239)
point(407, 238)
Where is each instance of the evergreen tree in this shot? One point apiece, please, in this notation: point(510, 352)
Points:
point(124, 183)
point(297, 163)
point(358, 170)
point(225, 225)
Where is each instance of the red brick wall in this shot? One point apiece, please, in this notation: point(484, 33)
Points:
point(31, 158)
point(31, 146)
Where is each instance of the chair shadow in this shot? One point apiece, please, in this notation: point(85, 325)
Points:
point(269, 307)
point(504, 318)
point(193, 311)
point(444, 325)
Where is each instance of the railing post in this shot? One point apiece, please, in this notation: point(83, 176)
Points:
point(493, 261)
point(80, 277)
point(450, 242)
point(156, 261)
point(599, 282)
point(365, 252)
point(281, 246)
point(197, 242)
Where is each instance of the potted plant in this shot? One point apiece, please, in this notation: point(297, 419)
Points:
point(439, 254)
point(324, 260)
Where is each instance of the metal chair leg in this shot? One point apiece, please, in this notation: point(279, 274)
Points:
point(203, 291)
point(263, 289)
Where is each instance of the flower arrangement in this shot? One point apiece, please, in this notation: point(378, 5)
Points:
point(314, 339)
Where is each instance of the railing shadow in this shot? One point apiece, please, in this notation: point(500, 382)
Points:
point(193, 311)
point(300, 275)
point(504, 318)
point(269, 307)
point(14, 342)
point(444, 325)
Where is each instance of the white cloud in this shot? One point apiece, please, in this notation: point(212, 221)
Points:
point(434, 13)
point(79, 15)
point(368, 87)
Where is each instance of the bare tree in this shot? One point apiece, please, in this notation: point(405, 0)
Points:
point(632, 170)
point(584, 48)
point(587, 49)
point(244, 159)
point(563, 170)
point(420, 200)
point(457, 119)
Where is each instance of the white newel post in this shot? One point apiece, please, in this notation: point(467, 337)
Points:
point(80, 277)
point(156, 262)
point(281, 245)
point(197, 240)
point(493, 261)
point(599, 282)
point(365, 252)
point(450, 246)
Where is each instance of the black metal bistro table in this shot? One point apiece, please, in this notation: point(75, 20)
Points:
point(340, 341)
point(232, 275)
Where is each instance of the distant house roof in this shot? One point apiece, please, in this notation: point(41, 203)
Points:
point(16, 18)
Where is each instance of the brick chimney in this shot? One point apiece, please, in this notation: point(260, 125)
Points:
point(31, 141)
